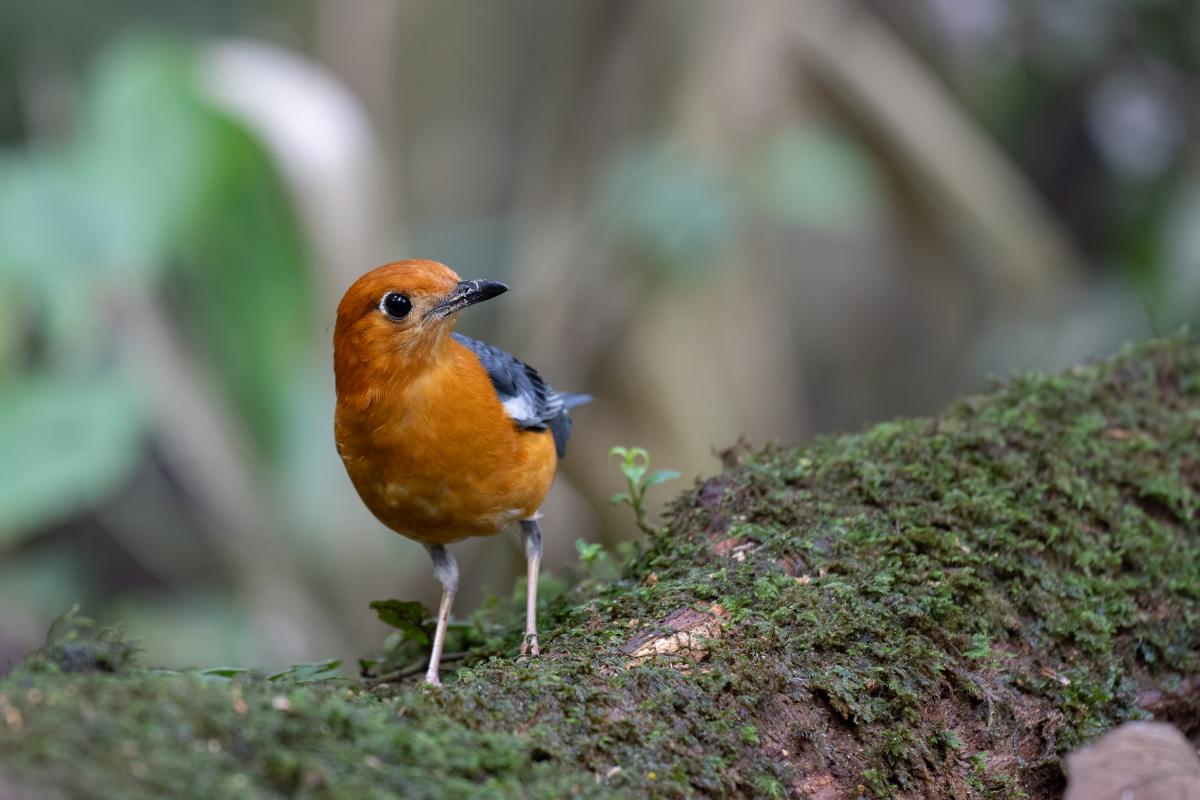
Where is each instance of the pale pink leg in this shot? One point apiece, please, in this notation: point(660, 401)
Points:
point(533, 555)
point(446, 569)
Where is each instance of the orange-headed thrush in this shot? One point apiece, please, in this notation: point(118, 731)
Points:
point(443, 436)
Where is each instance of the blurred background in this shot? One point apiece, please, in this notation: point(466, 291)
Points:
point(770, 218)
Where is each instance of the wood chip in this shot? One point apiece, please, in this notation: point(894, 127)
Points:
point(685, 631)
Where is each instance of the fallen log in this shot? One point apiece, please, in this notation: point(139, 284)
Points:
point(933, 608)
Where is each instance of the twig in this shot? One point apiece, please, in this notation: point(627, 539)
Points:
point(413, 669)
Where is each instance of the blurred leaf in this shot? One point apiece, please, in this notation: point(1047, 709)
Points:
point(590, 551)
point(406, 617)
point(659, 476)
point(106, 205)
point(158, 180)
point(68, 442)
point(48, 262)
point(46, 224)
point(675, 208)
point(245, 287)
point(154, 177)
point(223, 672)
point(306, 673)
point(816, 177)
point(143, 152)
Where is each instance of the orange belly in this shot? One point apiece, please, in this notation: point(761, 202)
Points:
point(427, 494)
point(441, 461)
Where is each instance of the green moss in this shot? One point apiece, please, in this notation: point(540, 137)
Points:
point(75, 644)
point(932, 608)
point(182, 736)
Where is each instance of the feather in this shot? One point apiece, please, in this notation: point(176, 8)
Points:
point(531, 402)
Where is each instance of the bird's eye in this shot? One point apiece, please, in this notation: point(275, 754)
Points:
point(396, 305)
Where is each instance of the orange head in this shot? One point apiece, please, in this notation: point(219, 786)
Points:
point(394, 319)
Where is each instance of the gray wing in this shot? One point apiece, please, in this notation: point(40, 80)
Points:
point(531, 402)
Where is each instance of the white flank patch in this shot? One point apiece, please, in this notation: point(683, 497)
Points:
point(518, 408)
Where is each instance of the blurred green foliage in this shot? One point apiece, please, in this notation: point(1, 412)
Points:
point(817, 177)
point(156, 196)
point(68, 441)
point(682, 212)
point(411, 618)
point(676, 210)
point(590, 553)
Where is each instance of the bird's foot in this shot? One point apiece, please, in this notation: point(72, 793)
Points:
point(432, 679)
point(529, 645)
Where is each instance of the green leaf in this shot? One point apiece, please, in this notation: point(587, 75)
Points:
point(407, 617)
point(181, 191)
point(246, 271)
point(659, 476)
point(144, 153)
point(589, 551)
point(68, 441)
point(222, 672)
point(618, 451)
point(46, 226)
point(636, 463)
point(620, 497)
point(307, 673)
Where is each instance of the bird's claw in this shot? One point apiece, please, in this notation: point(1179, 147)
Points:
point(529, 645)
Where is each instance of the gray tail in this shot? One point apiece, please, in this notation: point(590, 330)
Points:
point(571, 400)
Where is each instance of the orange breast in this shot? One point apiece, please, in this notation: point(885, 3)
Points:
point(438, 460)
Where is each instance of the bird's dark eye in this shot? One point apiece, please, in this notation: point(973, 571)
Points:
point(396, 305)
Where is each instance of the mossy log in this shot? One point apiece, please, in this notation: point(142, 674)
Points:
point(932, 608)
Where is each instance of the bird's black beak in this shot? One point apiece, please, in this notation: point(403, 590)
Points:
point(467, 293)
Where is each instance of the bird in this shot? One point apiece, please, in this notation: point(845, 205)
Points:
point(443, 436)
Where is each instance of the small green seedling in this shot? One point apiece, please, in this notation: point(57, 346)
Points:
point(590, 553)
point(634, 464)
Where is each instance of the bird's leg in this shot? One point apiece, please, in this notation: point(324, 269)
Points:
point(533, 554)
point(446, 570)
